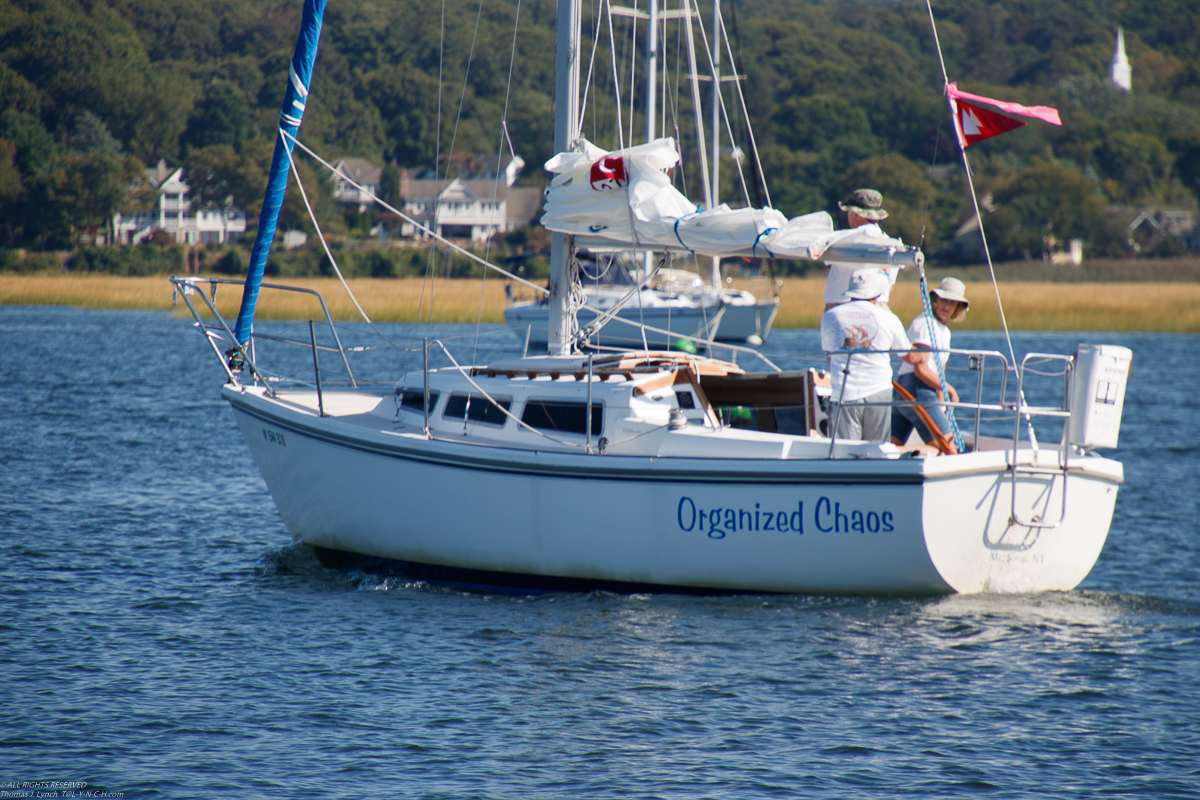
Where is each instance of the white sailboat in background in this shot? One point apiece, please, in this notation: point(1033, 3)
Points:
point(564, 470)
point(672, 299)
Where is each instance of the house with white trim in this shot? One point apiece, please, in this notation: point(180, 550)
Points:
point(351, 171)
point(474, 207)
point(176, 214)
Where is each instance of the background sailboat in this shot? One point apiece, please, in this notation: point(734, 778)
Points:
point(692, 297)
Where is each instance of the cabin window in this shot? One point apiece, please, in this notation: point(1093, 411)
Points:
point(562, 417)
point(686, 400)
point(414, 400)
point(478, 409)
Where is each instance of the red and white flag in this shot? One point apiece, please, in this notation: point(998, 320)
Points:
point(974, 124)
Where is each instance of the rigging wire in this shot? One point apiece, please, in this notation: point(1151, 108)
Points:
point(971, 185)
point(317, 226)
point(705, 181)
point(736, 58)
point(712, 67)
point(462, 100)
point(612, 49)
point(437, 237)
point(437, 155)
point(633, 69)
point(512, 60)
point(675, 106)
point(983, 236)
point(587, 84)
point(736, 123)
point(746, 112)
point(927, 307)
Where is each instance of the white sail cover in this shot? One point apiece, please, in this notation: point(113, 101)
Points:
point(625, 200)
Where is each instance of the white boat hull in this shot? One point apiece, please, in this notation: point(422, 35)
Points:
point(738, 323)
point(745, 323)
point(699, 323)
point(842, 526)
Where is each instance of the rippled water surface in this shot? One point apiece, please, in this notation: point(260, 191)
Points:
point(161, 637)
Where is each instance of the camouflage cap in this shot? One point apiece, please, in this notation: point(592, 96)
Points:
point(867, 203)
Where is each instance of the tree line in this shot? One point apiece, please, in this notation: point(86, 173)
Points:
point(840, 94)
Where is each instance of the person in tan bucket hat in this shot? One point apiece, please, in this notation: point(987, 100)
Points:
point(920, 377)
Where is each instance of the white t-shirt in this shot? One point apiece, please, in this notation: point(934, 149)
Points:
point(918, 333)
point(864, 326)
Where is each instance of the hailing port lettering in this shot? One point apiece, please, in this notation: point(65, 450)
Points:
point(828, 517)
point(1020, 558)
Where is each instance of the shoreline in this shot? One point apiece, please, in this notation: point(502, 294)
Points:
point(1157, 307)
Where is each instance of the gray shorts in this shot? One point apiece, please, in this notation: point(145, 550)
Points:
point(865, 423)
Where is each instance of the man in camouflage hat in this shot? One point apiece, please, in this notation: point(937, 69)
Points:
point(863, 206)
point(864, 210)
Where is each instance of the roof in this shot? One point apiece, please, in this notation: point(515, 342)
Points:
point(360, 171)
point(474, 189)
point(161, 175)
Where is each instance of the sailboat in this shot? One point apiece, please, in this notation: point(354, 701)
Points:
point(671, 309)
point(667, 301)
point(616, 470)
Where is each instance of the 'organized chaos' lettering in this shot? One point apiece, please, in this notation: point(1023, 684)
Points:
point(828, 517)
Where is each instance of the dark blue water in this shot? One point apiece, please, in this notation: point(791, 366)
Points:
point(161, 637)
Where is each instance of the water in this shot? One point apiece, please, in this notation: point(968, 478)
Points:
point(161, 637)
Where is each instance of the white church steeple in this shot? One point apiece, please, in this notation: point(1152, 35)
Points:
point(1121, 72)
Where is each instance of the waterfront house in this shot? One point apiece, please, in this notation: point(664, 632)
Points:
point(177, 215)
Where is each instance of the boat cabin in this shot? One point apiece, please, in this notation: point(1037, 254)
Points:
point(663, 404)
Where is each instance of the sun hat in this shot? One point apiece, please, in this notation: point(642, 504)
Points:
point(867, 284)
point(867, 203)
point(951, 289)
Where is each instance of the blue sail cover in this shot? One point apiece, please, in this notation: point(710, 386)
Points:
point(299, 76)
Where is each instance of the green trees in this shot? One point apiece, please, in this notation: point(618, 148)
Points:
point(840, 94)
point(221, 117)
point(219, 175)
point(1048, 199)
point(51, 191)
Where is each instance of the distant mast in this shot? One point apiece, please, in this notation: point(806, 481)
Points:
point(566, 131)
point(1121, 72)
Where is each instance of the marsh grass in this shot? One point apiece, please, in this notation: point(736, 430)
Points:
point(1036, 306)
point(1126, 306)
point(395, 300)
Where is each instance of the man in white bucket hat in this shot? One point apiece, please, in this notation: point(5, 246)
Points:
point(920, 378)
point(857, 335)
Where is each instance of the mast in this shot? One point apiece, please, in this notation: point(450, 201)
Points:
point(651, 77)
point(651, 71)
point(299, 76)
point(715, 274)
point(566, 121)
